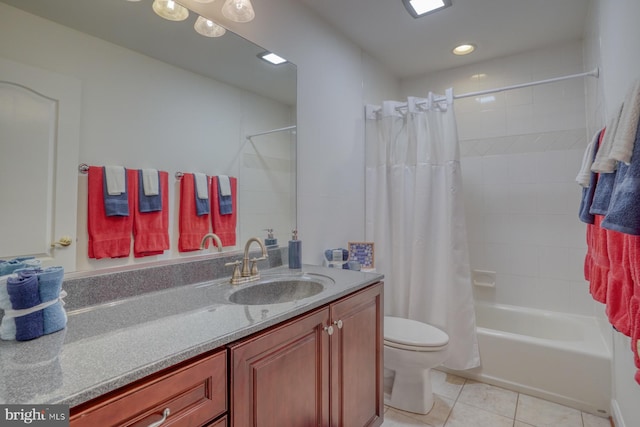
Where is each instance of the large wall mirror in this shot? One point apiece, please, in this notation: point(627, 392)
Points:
point(149, 93)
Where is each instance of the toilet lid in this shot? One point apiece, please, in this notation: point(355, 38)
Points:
point(407, 332)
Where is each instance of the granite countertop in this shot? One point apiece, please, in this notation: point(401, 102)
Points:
point(109, 345)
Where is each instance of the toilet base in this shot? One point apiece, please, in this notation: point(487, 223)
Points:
point(411, 391)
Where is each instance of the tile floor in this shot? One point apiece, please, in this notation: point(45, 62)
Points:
point(460, 402)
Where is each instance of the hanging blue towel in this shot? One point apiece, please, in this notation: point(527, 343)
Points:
point(148, 203)
point(588, 192)
point(115, 205)
point(602, 195)
point(202, 203)
point(225, 201)
point(624, 210)
point(23, 293)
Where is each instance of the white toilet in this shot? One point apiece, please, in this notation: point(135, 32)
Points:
point(411, 349)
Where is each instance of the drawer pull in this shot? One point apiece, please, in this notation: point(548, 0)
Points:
point(329, 329)
point(165, 414)
point(338, 323)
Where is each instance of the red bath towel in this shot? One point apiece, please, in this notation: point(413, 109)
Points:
point(192, 227)
point(151, 229)
point(633, 260)
point(619, 283)
point(109, 236)
point(599, 261)
point(588, 260)
point(224, 225)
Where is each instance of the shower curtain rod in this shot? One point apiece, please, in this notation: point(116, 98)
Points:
point(371, 110)
point(593, 73)
point(286, 128)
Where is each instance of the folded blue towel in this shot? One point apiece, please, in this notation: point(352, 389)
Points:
point(148, 203)
point(8, 267)
point(202, 205)
point(624, 209)
point(117, 205)
point(586, 201)
point(602, 195)
point(225, 202)
point(49, 287)
point(23, 293)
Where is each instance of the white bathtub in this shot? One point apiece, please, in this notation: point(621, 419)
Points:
point(555, 356)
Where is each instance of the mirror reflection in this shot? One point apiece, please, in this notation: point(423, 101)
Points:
point(151, 94)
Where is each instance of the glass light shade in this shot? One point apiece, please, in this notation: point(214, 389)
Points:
point(208, 28)
point(238, 10)
point(169, 9)
point(203, 1)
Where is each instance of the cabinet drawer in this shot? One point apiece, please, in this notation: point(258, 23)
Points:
point(222, 422)
point(194, 394)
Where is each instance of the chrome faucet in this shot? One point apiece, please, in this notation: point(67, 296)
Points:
point(215, 238)
point(249, 270)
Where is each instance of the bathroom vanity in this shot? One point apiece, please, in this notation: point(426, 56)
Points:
point(190, 356)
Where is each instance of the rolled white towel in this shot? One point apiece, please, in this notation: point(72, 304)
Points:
point(115, 180)
point(150, 182)
point(625, 137)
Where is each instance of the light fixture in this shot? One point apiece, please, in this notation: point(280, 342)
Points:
point(238, 10)
point(419, 8)
point(208, 28)
point(203, 1)
point(169, 9)
point(463, 49)
point(272, 58)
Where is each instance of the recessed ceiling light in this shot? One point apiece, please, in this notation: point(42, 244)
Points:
point(463, 49)
point(418, 8)
point(272, 58)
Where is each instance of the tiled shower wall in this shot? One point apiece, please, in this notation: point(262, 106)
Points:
point(521, 151)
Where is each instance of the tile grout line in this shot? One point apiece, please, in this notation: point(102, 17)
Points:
point(454, 403)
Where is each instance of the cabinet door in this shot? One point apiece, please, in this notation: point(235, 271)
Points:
point(356, 360)
point(281, 377)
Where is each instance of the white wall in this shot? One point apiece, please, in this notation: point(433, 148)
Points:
point(334, 80)
point(521, 151)
point(611, 42)
point(139, 112)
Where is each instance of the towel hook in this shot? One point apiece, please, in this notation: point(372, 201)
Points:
point(179, 175)
point(83, 168)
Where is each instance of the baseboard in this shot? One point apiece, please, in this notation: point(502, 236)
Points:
point(616, 415)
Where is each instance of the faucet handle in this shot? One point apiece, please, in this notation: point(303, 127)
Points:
point(236, 269)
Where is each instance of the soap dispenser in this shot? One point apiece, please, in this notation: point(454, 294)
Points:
point(295, 251)
point(270, 241)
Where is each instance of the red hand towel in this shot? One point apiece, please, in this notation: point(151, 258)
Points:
point(191, 226)
point(224, 225)
point(619, 284)
point(109, 236)
point(599, 262)
point(151, 229)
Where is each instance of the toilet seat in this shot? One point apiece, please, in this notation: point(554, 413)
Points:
point(407, 334)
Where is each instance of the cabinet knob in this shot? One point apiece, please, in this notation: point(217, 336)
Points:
point(165, 414)
point(338, 323)
point(329, 329)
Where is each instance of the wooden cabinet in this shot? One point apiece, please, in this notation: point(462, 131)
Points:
point(321, 369)
point(190, 394)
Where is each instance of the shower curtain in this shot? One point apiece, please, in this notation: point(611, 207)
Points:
point(415, 215)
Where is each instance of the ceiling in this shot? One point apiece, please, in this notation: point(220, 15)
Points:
point(410, 47)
